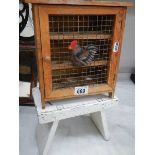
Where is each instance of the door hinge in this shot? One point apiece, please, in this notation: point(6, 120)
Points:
point(121, 25)
point(114, 77)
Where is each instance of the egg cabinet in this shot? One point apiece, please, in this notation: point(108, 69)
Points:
point(78, 46)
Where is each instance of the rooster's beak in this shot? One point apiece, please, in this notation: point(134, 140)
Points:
point(69, 47)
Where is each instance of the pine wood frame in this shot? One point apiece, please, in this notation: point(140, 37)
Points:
point(40, 14)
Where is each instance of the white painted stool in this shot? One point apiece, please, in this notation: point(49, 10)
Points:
point(67, 108)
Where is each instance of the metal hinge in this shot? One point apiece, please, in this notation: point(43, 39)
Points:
point(114, 77)
point(121, 25)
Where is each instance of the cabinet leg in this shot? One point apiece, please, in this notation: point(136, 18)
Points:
point(43, 103)
point(111, 94)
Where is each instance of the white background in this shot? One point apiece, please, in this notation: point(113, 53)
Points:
point(145, 77)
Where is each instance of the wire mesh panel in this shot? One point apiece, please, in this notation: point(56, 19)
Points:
point(81, 24)
point(87, 30)
point(79, 77)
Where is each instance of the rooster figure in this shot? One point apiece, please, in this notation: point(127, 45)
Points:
point(82, 56)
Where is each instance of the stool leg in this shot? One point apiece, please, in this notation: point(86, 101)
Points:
point(50, 136)
point(100, 121)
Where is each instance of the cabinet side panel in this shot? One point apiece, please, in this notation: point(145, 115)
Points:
point(38, 51)
point(46, 50)
point(115, 53)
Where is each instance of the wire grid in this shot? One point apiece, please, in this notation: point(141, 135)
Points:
point(64, 24)
point(87, 30)
point(79, 77)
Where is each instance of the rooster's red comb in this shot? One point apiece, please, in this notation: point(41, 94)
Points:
point(73, 44)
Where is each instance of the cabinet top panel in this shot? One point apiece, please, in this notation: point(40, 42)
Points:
point(84, 2)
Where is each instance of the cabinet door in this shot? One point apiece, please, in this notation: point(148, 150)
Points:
point(60, 25)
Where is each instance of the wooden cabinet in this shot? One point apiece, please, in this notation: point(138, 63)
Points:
point(57, 24)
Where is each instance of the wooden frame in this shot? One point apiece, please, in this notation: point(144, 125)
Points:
point(41, 12)
point(82, 2)
point(115, 56)
point(39, 52)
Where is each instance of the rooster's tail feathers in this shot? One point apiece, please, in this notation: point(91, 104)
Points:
point(92, 51)
point(92, 47)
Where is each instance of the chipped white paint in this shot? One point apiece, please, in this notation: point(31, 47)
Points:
point(67, 108)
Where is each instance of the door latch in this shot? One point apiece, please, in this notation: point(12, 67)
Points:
point(47, 58)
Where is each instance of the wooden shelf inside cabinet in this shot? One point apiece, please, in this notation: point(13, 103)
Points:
point(56, 36)
point(68, 65)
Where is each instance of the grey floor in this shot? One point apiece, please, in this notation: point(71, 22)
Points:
point(79, 135)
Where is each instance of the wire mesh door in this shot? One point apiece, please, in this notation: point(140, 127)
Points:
point(93, 27)
point(87, 30)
